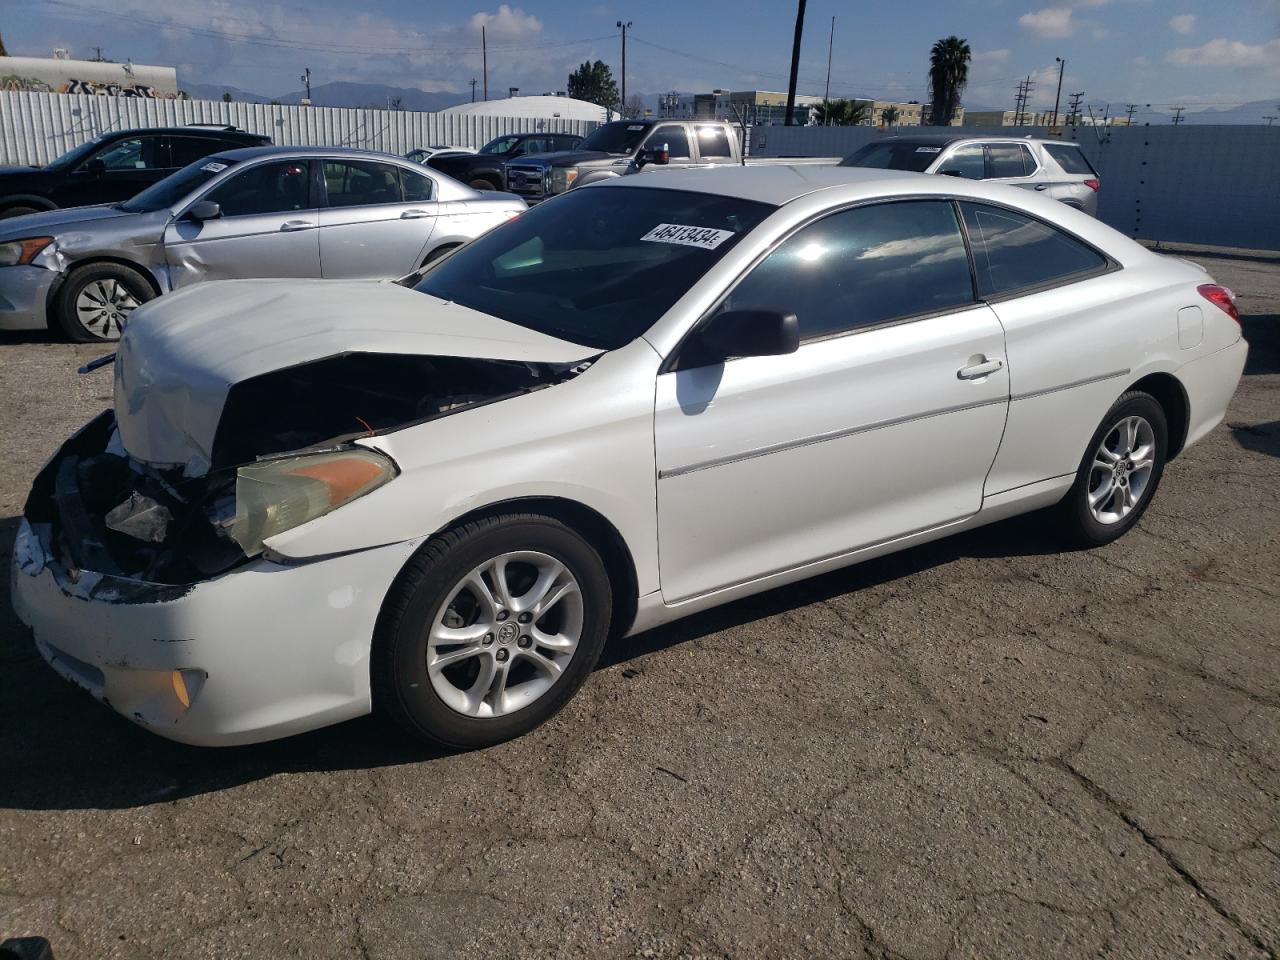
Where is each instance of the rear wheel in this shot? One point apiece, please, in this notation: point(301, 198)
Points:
point(1119, 473)
point(96, 299)
point(490, 630)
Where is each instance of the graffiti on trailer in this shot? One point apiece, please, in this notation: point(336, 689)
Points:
point(95, 87)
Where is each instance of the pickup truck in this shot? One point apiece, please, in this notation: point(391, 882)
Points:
point(624, 147)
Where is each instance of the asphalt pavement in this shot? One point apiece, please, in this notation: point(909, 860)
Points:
point(985, 747)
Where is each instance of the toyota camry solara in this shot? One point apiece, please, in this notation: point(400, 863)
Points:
point(437, 499)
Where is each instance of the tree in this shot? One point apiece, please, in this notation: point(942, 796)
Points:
point(3, 51)
point(594, 83)
point(842, 113)
point(633, 109)
point(889, 116)
point(948, 74)
point(226, 97)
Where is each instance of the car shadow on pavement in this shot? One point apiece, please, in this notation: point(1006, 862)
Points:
point(60, 749)
point(1261, 438)
point(1263, 333)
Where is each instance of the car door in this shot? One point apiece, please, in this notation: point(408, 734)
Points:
point(884, 423)
point(267, 228)
point(116, 172)
point(376, 220)
point(677, 142)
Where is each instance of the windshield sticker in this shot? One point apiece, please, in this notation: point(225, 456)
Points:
point(214, 167)
point(636, 126)
point(928, 149)
point(705, 238)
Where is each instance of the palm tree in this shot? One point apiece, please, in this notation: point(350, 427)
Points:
point(889, 116)
point(842, 113)
point(948, 74)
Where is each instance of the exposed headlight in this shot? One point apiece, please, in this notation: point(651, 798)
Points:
point(277, 495)
point(562, 178)
point(18, 253)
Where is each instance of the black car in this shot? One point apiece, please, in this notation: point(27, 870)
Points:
point(114, 166)
point(483, 170)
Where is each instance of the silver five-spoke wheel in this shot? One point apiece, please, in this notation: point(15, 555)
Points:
point(504, 634)
point(1121, 470)
point(103, 306)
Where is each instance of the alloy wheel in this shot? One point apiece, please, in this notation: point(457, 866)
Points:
point(1121, 471)
point(103, 306)
point(505, 634)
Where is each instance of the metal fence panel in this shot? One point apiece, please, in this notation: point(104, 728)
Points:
point(1216, 185)
point(36, 127)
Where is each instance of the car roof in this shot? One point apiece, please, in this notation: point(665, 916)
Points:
point(272, 150)
point(194, 130)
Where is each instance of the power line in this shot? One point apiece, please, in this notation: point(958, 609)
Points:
point(1177, 115)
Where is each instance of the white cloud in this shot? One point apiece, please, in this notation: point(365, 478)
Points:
point(1049, 23)
point(992, 56)
point(1183, 23)
point(508, 24)
point(1228, 53)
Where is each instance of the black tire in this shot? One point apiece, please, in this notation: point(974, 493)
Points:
point(1076, 520)
point(481, 183)
point(401, 686)
point(65, 316)
point(8, 212)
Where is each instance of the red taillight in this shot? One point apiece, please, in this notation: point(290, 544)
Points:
point(1093, 185)
point(1222, 298)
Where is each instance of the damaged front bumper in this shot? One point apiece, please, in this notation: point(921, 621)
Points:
point(24, 296)
point(256, 651)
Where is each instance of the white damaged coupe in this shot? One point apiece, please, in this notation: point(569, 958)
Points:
point(437, 499)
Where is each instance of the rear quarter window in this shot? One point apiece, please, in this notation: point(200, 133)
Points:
point(1070, 159)
point(1014, 253)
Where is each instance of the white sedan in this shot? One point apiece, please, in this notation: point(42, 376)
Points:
point(438, 499)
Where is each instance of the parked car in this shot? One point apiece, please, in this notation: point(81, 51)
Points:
point(1056, 168)
point(261, 212)
point(423, 154)
point(437, 499)
point(483, 169)
point(625, 147)
point(114, 166)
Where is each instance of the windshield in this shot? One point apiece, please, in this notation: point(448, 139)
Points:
point(895, 156)
point(76, 154)
point(596, 266)
point(617, 137)
point(175, 187)
point(499, 146)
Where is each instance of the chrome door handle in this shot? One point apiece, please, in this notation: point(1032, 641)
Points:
point(979, 370)
point(1042, 186)
point(415, 214)
point(291, 225)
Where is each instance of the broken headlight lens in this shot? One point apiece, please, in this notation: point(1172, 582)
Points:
point(19, 253)
point(273, 496)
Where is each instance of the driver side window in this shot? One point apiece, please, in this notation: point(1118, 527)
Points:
point(967, 161)
point(135, 153)
point(266, 188)
point(675, 139)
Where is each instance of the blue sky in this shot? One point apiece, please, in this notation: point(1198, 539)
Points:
point(1194, 52)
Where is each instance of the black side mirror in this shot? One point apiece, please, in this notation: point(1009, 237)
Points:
point(95, 167)
point(203, 210)
point(661, 155)
point(741, 333)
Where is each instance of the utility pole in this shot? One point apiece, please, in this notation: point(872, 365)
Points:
point(1075, 107)
point(474, 81)
point(306, 79)
point(624, 27)
point(1269, 119)
point(1062, 66)
point(1022, 100)
point(1130, 109)
point(795, 63)
point(484, 54)
point(826, 94)
point(97, 55)
point(1177, 115)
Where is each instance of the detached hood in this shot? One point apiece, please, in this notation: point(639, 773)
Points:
point(57, 222)
point(182, 354)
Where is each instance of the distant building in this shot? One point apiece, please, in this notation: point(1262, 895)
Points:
point(546, 107)
point(764, 107)
point(909, 114)
point(64, 75)
point(926, 118)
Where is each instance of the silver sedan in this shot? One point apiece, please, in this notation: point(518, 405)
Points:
point(258, 212)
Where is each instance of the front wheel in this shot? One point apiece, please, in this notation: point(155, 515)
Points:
point(481, 184)
point(1119, 474)
point(489, 630)
point(95, 300)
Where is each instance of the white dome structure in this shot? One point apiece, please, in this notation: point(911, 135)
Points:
point(536, 108)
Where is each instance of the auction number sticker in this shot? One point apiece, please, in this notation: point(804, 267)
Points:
point(928, 149)
point(212, 167)
point(706, 238)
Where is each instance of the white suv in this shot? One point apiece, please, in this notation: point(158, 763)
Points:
point(1055, 168)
